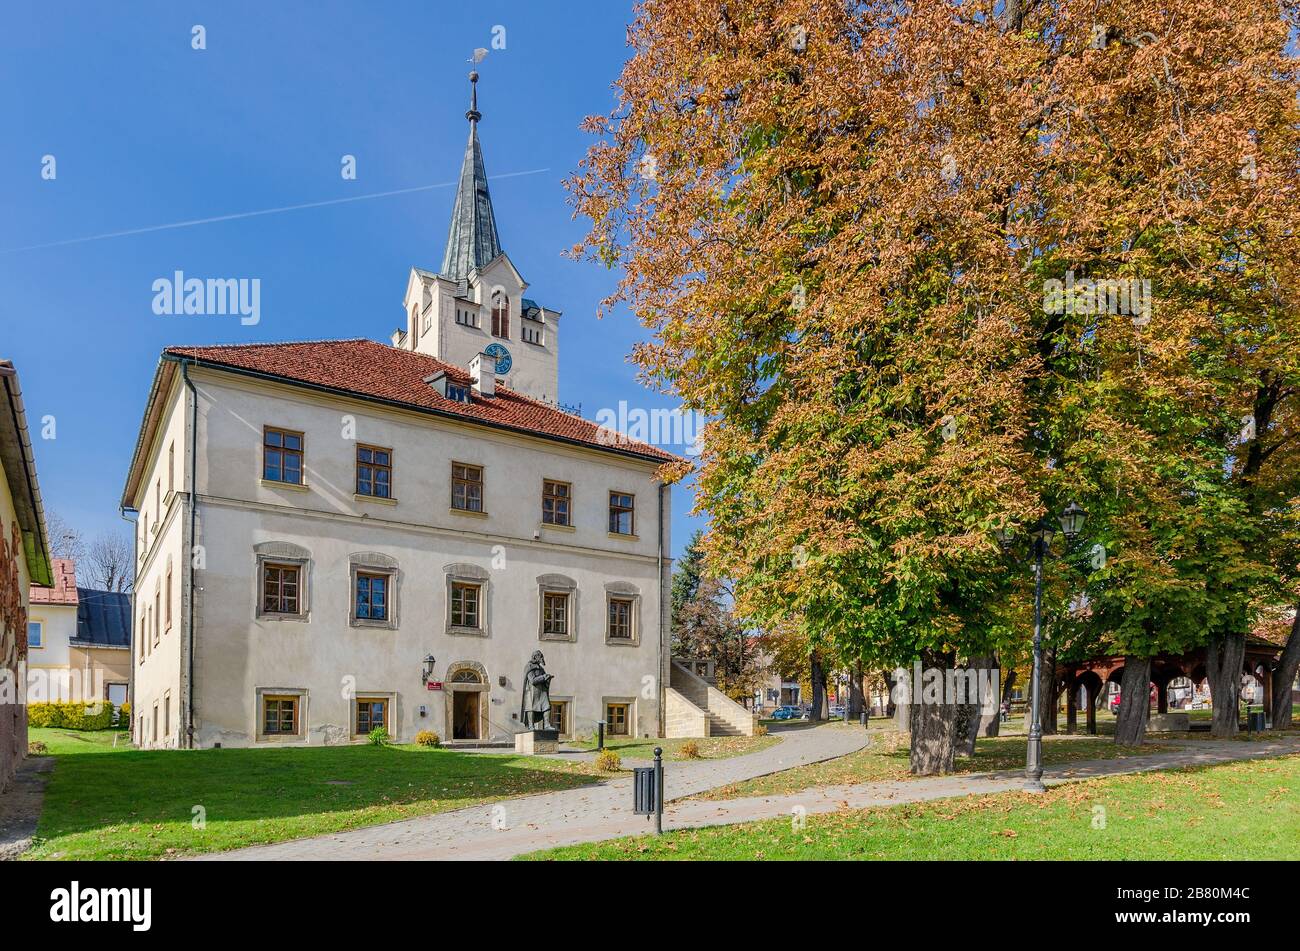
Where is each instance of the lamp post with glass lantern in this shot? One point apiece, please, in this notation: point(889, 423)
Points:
point(1071, 521)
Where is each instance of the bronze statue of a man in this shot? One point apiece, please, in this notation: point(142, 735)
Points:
point(535, 708)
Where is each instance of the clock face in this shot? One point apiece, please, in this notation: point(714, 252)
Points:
point(501, 355)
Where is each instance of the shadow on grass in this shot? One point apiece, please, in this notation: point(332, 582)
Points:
point(141, 802)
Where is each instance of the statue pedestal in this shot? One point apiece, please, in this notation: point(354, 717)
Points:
point(532, 742)
point(1169, 723)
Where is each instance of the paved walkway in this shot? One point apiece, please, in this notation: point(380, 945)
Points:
point(501, 830)
point(592, 813)
point(20, 806)
point(867, 795)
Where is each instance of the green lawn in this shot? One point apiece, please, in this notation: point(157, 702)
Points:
point(1238, 811)
point(714, 747)
point(887, 759)
point(141, 804)
point(80, 741)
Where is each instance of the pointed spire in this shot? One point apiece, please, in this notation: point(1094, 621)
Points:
point(472, 238)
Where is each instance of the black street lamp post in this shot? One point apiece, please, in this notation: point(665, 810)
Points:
point(1071, 524)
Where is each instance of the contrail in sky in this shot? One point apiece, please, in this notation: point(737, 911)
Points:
point(255, 214)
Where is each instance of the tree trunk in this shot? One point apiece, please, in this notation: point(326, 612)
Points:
point(933, 725)
point(991, 724)
point(1284, 677)
point(855, 693)
point(1072, 707)
point(900, 699)
point(975, 714)
point(966, 724)
point(1093, 698)
point(1223, 660)
point(819, 706)
point(1047, 693)
point(890, 684)
point(1134, 701)
point(1007, 686)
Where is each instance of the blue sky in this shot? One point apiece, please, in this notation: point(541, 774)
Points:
point(147, 131)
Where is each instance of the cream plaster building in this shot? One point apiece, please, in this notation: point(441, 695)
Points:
point(334, 536)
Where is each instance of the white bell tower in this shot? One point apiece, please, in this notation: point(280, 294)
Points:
point(475, 303)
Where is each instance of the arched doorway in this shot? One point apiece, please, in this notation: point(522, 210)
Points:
point(1181, 692)
point(467, 690)
point(1091, 684)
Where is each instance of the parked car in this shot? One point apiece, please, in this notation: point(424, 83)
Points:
point(785, 713)
point(837, 712)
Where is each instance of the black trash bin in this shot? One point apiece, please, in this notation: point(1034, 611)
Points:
point(1255, 721)
point(645, 791)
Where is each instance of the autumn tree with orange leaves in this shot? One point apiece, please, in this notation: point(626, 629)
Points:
point(842, 222)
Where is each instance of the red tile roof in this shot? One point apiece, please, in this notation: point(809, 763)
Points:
point(376, 371)
point(65, 584)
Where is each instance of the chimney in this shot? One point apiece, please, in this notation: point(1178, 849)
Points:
point(483, 372)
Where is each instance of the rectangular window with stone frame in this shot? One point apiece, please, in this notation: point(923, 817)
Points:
point(372, 596)
point(560, 716)
point(622, 614)
point(375, 586)
point(555, 615)
point(557, 608)
point(617, 719)
point(371, 714)
point(280, 588)
point(620, 618)
point(468, 593)
point(465, 604)
point(280, 585)
point(279, 716)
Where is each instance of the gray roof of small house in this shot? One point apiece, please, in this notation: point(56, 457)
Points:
point(103, 618)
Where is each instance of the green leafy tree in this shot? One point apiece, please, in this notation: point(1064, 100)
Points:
point(840, 222)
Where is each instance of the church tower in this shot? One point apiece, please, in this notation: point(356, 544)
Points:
point(475, 303)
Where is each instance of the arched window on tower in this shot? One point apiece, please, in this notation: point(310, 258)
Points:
point(415, 325)
point(500, 314)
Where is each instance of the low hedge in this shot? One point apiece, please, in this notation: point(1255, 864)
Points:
point(71, 716)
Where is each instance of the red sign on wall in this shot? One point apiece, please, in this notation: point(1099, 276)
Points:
point(434, 684)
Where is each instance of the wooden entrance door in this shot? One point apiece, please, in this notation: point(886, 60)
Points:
point(465, 712)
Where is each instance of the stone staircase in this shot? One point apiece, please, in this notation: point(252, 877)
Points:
point(692, 707)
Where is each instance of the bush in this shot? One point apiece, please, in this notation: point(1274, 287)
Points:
point(71, 716)
point(690, 750)
point(37, 748)
point(378, 736)
point(428, 738)
point(608, 761)
point(760, 729)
